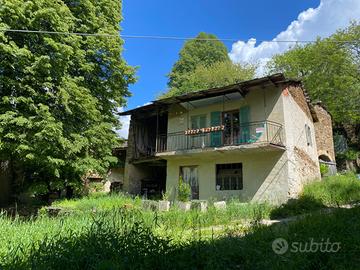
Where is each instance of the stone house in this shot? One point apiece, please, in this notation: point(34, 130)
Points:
point(258, 140)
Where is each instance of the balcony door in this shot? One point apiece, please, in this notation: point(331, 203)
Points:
point(231, 124)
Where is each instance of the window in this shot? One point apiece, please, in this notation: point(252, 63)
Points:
point(198, 141)
point(308, 135)
point(189, 175)
point(198, 121)
point(229, 176)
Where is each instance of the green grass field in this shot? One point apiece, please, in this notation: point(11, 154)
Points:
point(114, 232)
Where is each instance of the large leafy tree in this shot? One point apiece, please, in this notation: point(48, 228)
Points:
point(216, 75)
point(59, 92)
point(204, 63)
point(330, 70)
point(204, 50)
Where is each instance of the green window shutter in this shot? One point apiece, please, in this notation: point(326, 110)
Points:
point(215, 137)
point(244, 115)
point(215, 119)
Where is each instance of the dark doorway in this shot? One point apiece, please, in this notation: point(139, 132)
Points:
point(153, 184)
point(232, 127)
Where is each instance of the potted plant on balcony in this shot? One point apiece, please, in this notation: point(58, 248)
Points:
point(164, 204)
point(184, 193)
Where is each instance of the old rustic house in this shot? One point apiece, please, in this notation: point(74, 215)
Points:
point(256, 140)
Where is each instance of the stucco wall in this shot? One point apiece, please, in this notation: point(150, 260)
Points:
point(324, 133)
point(264, 175)
point(264, 105)
point(303, 159)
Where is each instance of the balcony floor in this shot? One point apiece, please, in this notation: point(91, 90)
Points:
point(245, 148)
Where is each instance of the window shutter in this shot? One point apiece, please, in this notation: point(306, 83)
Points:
point(215, 137)
point(244, 115)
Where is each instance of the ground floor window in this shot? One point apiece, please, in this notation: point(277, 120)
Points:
point(189, 175)
point(229, 176)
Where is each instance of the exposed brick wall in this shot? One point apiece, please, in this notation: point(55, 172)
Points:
point(298, 95)
point(324, 133)
point(307, 170)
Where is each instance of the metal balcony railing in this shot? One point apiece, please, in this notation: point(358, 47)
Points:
point(249, 133)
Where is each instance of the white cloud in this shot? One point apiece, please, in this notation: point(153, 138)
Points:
point(322, 21)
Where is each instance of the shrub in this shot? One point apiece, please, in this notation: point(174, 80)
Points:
point(184, 191)
point(324, 169)
point(165, 196)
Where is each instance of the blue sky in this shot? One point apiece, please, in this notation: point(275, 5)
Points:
point(245, 21)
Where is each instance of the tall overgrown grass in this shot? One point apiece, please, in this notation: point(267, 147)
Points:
point(122, 239)
point(114, 232)
point(335, 190)
point(332, 191)
point(98, 201)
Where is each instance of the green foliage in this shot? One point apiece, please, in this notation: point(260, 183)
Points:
point(165, 196)
point(59, 92)
point(331, 191)
point(350, 154)
point(123, 239)
point(184, 191)
point(329, 69)
point(100, 201)
point(324, 169)
point(96, 187)
point(175, 218)
point(194, 53)
point(216, 75)
point(335, 190)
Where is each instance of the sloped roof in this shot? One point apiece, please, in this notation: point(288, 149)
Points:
point(243, 88)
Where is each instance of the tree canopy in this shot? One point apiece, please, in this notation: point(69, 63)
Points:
point(216, 75)
point(59, 93)
point(197, 52)
point(205, 64)
point(330, 71)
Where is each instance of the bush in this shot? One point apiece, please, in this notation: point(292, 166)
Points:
point(324, 169)
point(184, 191)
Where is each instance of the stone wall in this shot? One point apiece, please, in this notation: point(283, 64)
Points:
point(307, 170)
point(300, 98)
point(302, 152)
point(324, 133)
